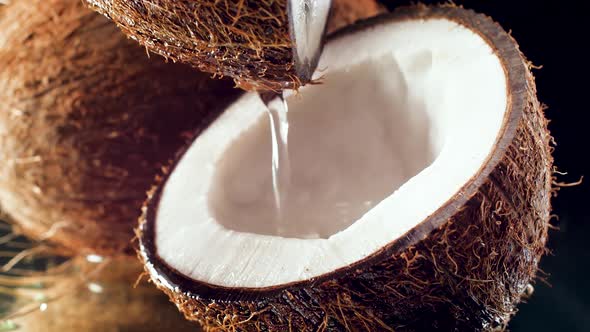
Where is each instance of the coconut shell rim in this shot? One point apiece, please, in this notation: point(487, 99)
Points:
point(507, 50)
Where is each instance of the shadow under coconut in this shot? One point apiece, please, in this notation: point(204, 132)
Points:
point(353, 141)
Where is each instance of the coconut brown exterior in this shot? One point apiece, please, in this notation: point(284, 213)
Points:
point(86, 121)
point(246, 40)
point(464, 268)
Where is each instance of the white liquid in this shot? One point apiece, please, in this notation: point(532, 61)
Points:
point(281, 166)
point(347, 144)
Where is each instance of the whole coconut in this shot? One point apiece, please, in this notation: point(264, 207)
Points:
point(86, 121)
point(247, 40)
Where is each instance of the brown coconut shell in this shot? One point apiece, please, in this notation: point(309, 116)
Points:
point(246, 40)
point(464, 268)
point(115, 305)
point(86, 121)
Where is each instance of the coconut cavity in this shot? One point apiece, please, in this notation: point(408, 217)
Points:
point(86, 125)
point(431, 115)
point(388, 138)
point(347, 152)
point(246, 40)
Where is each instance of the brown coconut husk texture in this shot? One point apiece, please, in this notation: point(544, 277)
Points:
point(90, 297)
point(465, 268)
point(247, 40)
point(86, 121)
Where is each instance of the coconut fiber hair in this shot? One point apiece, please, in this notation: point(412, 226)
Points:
point(247, 40)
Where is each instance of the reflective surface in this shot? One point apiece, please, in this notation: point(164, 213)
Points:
point(41, 292)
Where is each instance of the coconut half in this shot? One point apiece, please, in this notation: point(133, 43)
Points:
point(428, 127)
point(248, 41)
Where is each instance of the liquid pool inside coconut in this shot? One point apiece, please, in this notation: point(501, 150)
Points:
point(406, 115)
point(352, 143)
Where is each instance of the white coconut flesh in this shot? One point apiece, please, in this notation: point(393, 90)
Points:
point(408, 114)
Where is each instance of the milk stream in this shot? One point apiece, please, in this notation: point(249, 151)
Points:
point(277, 110)
point(307, 22)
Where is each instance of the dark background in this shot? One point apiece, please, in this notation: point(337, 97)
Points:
point(554, 34)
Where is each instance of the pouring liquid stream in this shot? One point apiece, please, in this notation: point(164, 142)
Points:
point(277, 110)
point(307, 24)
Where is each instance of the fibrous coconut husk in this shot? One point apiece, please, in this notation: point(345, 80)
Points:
point(245, 39)
point(86, 120)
